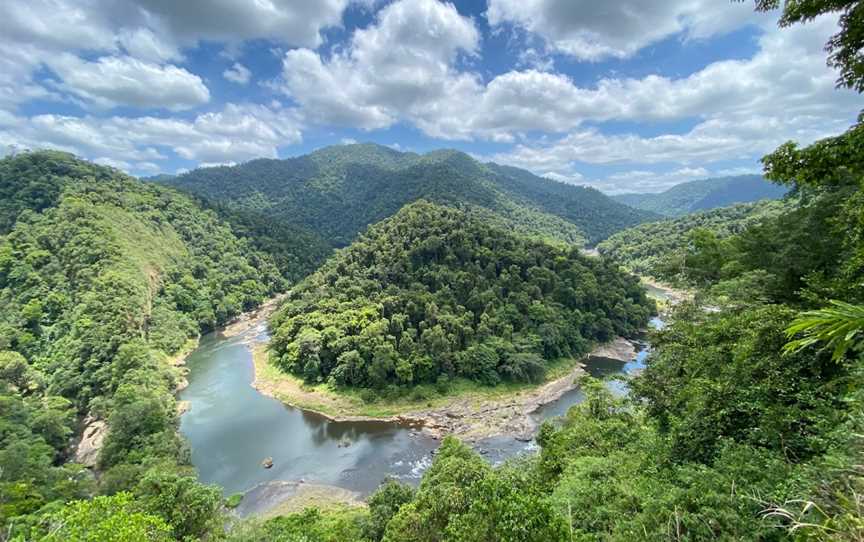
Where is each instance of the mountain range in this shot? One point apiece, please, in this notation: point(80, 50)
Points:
point(336, 192)
point(704, 194)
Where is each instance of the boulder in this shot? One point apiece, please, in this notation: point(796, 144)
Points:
point(92, 438)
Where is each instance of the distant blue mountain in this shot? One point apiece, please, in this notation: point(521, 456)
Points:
point(705, 194)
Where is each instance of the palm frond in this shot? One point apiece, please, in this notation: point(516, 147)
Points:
point(839, 327)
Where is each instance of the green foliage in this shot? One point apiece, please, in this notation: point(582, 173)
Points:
point(384, 504)
point(337, 192)
point(462, 499)
point(721, 376)
point(830, 162)
point(295, 251)
point(190, 508)
point(34, 431)
point(695, 196)
point(437, 291)
point(101, 278)
point(839, 327)
point(234, 500)
point(117, 518)
point(659, 249)
point(311, 525)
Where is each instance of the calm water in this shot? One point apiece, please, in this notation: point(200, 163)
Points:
point(232, 427)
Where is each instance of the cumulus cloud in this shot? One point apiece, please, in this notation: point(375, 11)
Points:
point(591, 30)
point(152, 32)
point(739, 109)
point(122, 80)
point(294, 22)
point(402, 66)
point(389, 73)
point(236, 133)
point(238, 73)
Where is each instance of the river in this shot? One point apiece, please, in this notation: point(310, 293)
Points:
point(232, 427)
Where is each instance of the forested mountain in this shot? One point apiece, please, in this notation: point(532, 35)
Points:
point(732, 432)
point(704, 194)
point(102, 277)
point(657, 249)
point(437, 291)
point(338, 191)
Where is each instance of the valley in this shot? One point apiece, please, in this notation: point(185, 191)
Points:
point(346, 456)
point(547, 299)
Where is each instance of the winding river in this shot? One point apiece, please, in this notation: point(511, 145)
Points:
point(232, 427)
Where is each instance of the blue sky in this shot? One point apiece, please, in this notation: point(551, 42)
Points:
point(632, 95)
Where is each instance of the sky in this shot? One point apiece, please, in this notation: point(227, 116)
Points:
point(624, 96)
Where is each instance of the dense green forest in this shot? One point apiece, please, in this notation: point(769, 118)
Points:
point(746, 423)
point(438, 292)
point(103, 277)
point(732, 432)
point(695, 196)
point(659, 249)
point(338, 191)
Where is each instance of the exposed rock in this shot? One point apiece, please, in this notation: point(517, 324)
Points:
point(183, 407)
point(620, 349)
point(92, 438)
point(267, 463)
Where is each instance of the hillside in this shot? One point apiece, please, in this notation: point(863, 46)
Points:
point(438, 292)
point(657, 248)
point(704, 194)
point(338, 191)
point(102, 278)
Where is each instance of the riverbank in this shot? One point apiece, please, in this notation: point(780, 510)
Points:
point(665, 294)
point(469, 411)
point(253, 318)
point(280, 498)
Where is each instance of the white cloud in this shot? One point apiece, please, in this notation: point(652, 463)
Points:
point(740, 109)
point(122, 80)
point(402, 66)
point(238, 73)
point(36, 32)
point(237, 133)
point(389, 73)
point(144, 44)
point(293, 22)
point(592, 30)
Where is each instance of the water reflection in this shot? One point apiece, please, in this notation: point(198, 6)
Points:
point(231, 428)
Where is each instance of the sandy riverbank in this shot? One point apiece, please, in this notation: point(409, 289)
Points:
point(280, 498)
point(666, 293)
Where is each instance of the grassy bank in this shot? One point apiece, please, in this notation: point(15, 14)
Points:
point(347, 403)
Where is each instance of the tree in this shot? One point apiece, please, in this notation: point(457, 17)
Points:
point(189, 507)
point(384, 504)
point(117, 518)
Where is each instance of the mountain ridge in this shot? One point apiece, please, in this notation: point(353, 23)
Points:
point(337, 191)
point(704, 194)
